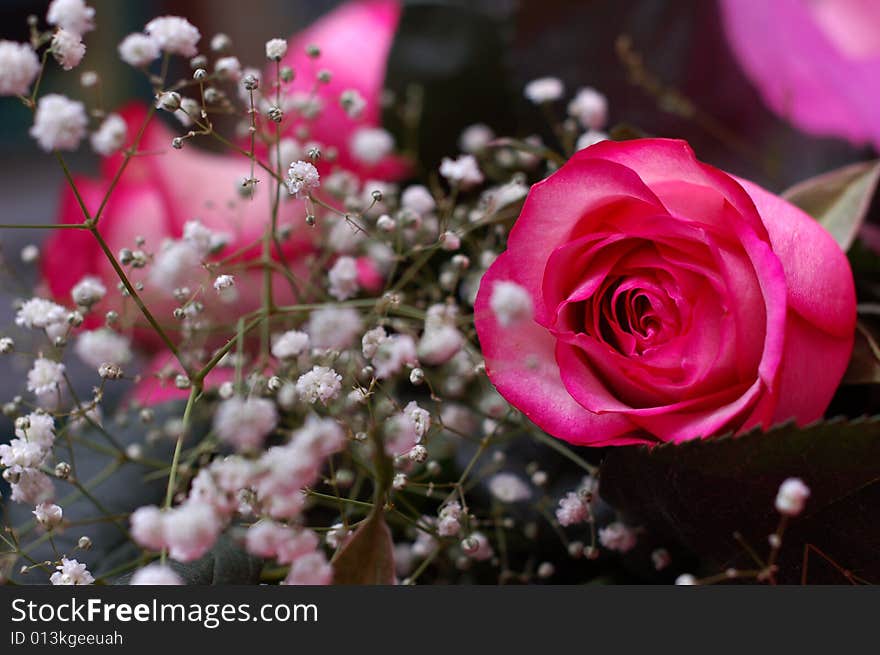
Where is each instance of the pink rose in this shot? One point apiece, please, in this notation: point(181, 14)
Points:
point(815, 62)
point(669, 301)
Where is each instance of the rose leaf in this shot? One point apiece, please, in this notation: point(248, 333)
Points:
point(839, 199)
point(368, 558)
point(864, 363)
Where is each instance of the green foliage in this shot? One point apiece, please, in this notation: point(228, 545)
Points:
point(225, 563)
point(839, 199)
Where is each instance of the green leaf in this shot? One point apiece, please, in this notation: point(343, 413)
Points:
point(225, 563)
point(702, 492)
point(839, 199)
point(368, 558)
point(864, 363)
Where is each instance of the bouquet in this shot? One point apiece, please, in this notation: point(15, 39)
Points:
point(290, 332)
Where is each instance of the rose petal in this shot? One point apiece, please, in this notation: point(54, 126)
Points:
point(520, 363)
point(818, 275)
point(801, 72)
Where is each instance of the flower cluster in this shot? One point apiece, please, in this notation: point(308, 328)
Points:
point(304, 330)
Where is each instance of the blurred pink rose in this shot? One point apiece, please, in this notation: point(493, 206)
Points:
point(670, 301)
point(354, 41)
point(815, 62)
point(157, 386)
point(158, 194)
point(163, 189)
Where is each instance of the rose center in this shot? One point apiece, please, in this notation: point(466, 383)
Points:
point(632, 319)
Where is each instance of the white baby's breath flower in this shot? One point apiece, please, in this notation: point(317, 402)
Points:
point(60, 123)
point(190, 530)
point(544, 89)
point(228, 68)
point(33, 486)
point(510, 303)
point(139, 50)
point(40, 430)
point(352, 102)
point(19, 67)
point(174, 35)
point(463, 171)
point(290, 344)
point(343, 278)
point(67, 48)
point(333, 327)
point(223, 282)
point(321, 383)
point(590, 138)
point(371, 144)
point(89, 79)
point(509, 488)
point(792, 497)
point(340, 183)
point(590, 108)
point(406, 429)
point(103, 346)
point(475, 138)
point(71, 572)
point(176, 264)
point(40, 313)
point(618, 537)
point(573, 508)
point(393, 354)
point(156, 574)
point(302, 177)
point(30, 253)
point(72, 15)
point(48, 515)
point(220, 42)
point(245, 422)
point(418, 198)
point(203, 239)
point(110, 137)
point(371, 341)
point(22, 453)
point(276, 49)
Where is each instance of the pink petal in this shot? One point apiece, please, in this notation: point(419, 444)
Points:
point(521, 364)
point(791, 51)
point(818, 275)
point(69, 255)
point(812, 367)
point(554, 209)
